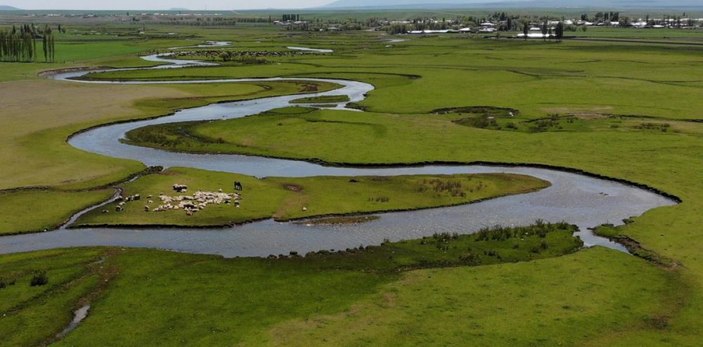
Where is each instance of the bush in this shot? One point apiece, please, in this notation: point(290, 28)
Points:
point(39, 279)
point(4, 283)
point(470, 259)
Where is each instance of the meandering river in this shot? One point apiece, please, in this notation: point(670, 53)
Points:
point(579, 199)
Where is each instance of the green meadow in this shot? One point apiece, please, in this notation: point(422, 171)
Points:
point(143, 293)
point(630, 110)
point(39, 210)
point(296, 198)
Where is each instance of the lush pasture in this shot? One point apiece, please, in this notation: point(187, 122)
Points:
point(665, 35)
point(39, 116)
point(592, 297)
point(294, 301)
point(41, 210)
point(235, 300)
point(293, 198)
point(406, 138)
point(535, 77)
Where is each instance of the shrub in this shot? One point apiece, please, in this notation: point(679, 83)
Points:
point(39, 279)
point(470, 259)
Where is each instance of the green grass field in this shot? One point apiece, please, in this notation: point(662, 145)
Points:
point(534, 77)
point(289, 132)
point(33, 211)
point(295, 198)
point(626, 110)
point(239, 301)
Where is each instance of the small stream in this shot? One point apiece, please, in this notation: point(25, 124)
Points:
point(78, 316)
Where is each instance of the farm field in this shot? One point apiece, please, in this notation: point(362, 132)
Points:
point(626, 110)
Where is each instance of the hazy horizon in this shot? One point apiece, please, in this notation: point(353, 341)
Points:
point(233, 5)
point(161, 4)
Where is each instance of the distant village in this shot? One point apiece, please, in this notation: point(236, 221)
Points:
point(530, 26)
point(525, 26)
point(535, 27)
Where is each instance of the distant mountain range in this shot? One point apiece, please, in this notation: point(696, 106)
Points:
point(605, 4)
point(8, 8)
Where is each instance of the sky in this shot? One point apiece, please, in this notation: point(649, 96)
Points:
point(161, 4)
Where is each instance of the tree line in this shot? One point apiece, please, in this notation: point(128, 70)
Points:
point(290, 18)
point(20, 44)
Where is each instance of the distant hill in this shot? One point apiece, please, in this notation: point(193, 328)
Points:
point(607, 4)
point(8, 8)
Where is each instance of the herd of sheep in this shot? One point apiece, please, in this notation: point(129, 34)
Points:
point(194, 203)
point(188, 203)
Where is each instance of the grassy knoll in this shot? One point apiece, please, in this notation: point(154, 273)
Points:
point(241, 300)
point(291, 198)
point(39, 210)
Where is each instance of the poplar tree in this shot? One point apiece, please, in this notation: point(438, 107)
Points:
point(559, 31)
point(19, 44)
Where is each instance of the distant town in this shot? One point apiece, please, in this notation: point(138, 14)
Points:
point(532, 26)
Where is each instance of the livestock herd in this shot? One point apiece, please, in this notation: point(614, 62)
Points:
point(190, 204)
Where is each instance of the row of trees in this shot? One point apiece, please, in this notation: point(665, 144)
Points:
point(20, 44)
point(602, 16)
point(547, 31)
point(290, 17)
